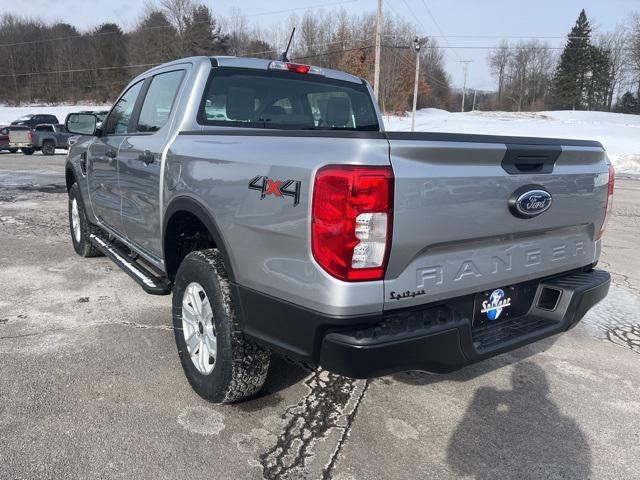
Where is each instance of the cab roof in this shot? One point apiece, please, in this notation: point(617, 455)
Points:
point(252, 63)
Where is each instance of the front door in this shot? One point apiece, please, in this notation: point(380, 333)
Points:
point(103, 162)
point(140, 158)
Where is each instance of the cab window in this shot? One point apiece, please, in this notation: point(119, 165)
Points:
point(118, 120)
point(159, 100)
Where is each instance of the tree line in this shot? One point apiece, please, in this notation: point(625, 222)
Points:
point(593, 72)
point(55, 63)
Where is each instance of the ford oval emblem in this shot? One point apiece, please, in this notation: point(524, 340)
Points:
point(530, 201)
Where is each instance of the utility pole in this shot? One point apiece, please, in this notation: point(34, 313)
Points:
point(473, 108)
point(464, 88)
point(416, 45)
point(376, 69)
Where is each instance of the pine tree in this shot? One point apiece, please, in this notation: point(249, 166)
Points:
point(568, 91)
point(599, 79)
point(628, 104)
point(202, 36)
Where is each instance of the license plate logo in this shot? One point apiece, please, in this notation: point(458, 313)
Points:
point(496, 303)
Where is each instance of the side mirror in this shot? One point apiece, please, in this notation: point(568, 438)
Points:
point(81, 123)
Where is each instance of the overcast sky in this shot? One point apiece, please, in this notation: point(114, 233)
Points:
point(455, 18)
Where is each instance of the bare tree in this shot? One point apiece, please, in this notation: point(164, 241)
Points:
point(617, 44)
point(498, 60)
point(633, 56)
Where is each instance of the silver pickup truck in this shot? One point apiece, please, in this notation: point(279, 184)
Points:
point(269, 199)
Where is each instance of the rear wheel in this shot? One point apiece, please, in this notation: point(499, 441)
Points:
point(13, 150)
point(80, 226)
point(48, 148)
point(28, 151)
point(221, 364)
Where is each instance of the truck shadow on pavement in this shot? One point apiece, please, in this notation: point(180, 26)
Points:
point(518, 433)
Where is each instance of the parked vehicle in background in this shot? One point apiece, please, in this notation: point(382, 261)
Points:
point(32, 119)
point(4, 140)
point(43, 137)
point(269, 200)
point(100, 115)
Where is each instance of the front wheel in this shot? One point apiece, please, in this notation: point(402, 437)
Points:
point(80, 226)
point(221, 364)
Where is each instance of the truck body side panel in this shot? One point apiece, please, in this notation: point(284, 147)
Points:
point(268, 235)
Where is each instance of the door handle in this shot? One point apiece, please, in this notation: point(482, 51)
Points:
point(111, 154)
point(147, 157)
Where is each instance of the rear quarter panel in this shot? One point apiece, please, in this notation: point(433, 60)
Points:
point(268, 239)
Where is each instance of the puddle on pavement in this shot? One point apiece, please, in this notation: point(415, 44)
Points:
point(617, 318)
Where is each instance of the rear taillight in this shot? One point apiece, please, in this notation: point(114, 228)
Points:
point(352, 219)
point(30, 135)
point(608, 207)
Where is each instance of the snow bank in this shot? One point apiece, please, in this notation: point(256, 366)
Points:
point(619, 133)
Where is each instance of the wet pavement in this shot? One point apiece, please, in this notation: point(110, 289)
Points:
point(91, 386)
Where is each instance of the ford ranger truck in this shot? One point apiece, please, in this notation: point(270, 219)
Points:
point(268, 199)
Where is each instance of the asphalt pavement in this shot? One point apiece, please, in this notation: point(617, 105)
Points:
point(91, 385)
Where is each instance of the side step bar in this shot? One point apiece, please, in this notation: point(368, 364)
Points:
point(143, 277)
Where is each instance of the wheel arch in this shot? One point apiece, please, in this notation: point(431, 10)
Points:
point(70, 176)
point(187, 205)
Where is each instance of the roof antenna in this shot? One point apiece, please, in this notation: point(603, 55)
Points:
point(284, 57)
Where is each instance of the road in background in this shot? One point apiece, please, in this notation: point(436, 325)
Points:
point(91, 385)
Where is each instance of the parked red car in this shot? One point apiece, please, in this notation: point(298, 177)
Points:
point(4, 140)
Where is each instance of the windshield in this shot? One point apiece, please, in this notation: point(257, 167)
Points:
point(284, 100)
point(24, 118)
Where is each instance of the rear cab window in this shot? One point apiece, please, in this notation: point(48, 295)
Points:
point(240, 97)
point(44, 128)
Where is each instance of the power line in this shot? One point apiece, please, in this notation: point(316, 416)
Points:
point(435, 22)
point(333, 52)
point(264, 52)
point(76, 70)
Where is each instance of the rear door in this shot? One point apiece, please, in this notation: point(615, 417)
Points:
point(456, 229)
point(141, 161)
point(102, 160)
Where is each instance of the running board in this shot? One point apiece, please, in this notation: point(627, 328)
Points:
point(149, 282)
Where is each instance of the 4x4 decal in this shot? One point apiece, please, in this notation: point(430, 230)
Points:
point(279, 188)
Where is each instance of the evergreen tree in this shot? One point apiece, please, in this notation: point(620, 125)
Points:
point(598, 82)
point(628, 104)
point(202, 36)
point(568, 91)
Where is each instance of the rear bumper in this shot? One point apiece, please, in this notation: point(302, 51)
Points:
point(436, 337)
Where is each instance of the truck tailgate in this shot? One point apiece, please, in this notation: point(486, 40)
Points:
point(20, 136)
point(454, 231)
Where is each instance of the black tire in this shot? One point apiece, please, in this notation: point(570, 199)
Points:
point(81, 245)
point(13, 150)
point(48, 147)
point(28, 151)
point(240, 366)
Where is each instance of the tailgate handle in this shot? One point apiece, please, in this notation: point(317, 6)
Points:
point(530, 159)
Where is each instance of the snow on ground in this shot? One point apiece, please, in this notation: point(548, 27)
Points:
point(619, 133)
point(9, 114)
